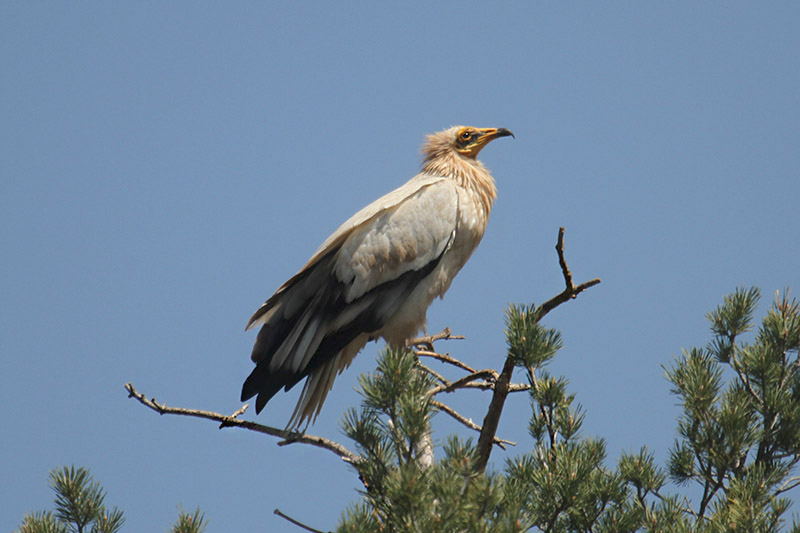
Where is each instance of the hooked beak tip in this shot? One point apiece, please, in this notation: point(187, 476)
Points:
point(503, 132)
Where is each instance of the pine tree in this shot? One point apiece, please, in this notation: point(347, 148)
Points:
point(80, 508)
point(739, 441)
point(740, 426)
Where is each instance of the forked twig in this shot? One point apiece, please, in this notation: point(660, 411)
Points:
point(501, 386)
point(571, 291)
point(461, 383)
point(428, 340)
point(289, 437)
point(445, 358)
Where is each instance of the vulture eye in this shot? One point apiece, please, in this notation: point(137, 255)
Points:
point(465, 136)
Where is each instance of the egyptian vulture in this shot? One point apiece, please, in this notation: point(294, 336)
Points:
point(376, 275)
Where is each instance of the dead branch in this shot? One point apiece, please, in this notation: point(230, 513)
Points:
point(468, 422)
point(295, 522)
point(489, 385)
point(238, 412)
point(445, 358)
point(501, 386)
point(460, 383)
point(571, 291)
point(289, 437)
point(430, 339)
point(440, 378)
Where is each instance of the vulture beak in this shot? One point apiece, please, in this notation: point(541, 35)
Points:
point(487, 134)
point(481, 138)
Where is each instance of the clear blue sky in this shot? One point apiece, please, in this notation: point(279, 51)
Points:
point(166, 166)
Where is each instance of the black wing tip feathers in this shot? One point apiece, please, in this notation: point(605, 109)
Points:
point(260, 382)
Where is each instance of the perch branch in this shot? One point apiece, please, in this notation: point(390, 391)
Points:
point(501, 387)
point(288, 437)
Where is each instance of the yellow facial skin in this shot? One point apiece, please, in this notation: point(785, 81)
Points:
point(470, 141)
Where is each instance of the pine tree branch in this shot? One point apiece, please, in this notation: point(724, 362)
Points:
point(469, 383)
point(684, 508)
point(788, 485)
point(445, 358)
point(430, 339)
point(295, 522)
point(488, 385)
point(571, 291)
point(492, 418)
point(440, 378)
point(290, 437)
point(462, 383)
point(734, 363)
point(501, 387)
point(468, 422)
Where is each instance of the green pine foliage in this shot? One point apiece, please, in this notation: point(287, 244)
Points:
point(80, 508)
point(42, 522)
point(739, 433)
point(190, 523)
point(738, 441)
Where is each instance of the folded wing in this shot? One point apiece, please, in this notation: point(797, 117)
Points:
point(354, 284)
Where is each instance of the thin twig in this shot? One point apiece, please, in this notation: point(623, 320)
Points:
point(489, 385)
point(561, 260)
point(434, 373)
point(428, 340)
point(501, 386)
point(685, 508)
point(571, 291)
point(445, 358)
point(788, 485)
point(239, 411)
point(450, 387)
point(743, 377)
point(295, 522)
point(289, 437)
point(468, 422)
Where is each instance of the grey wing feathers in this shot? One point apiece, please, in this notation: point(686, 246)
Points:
point(319, 319)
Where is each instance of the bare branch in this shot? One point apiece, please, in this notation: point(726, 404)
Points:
point(231, 421)
point(788, 485)
point(501, 386)
point(561, 260)
point(295, 522)
point(236, 413)
point(489, 385)
point(445, 358)
point(460, 383)
point(468, 422)
point(430, 339)
point(434, 373)
point(571, 291)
